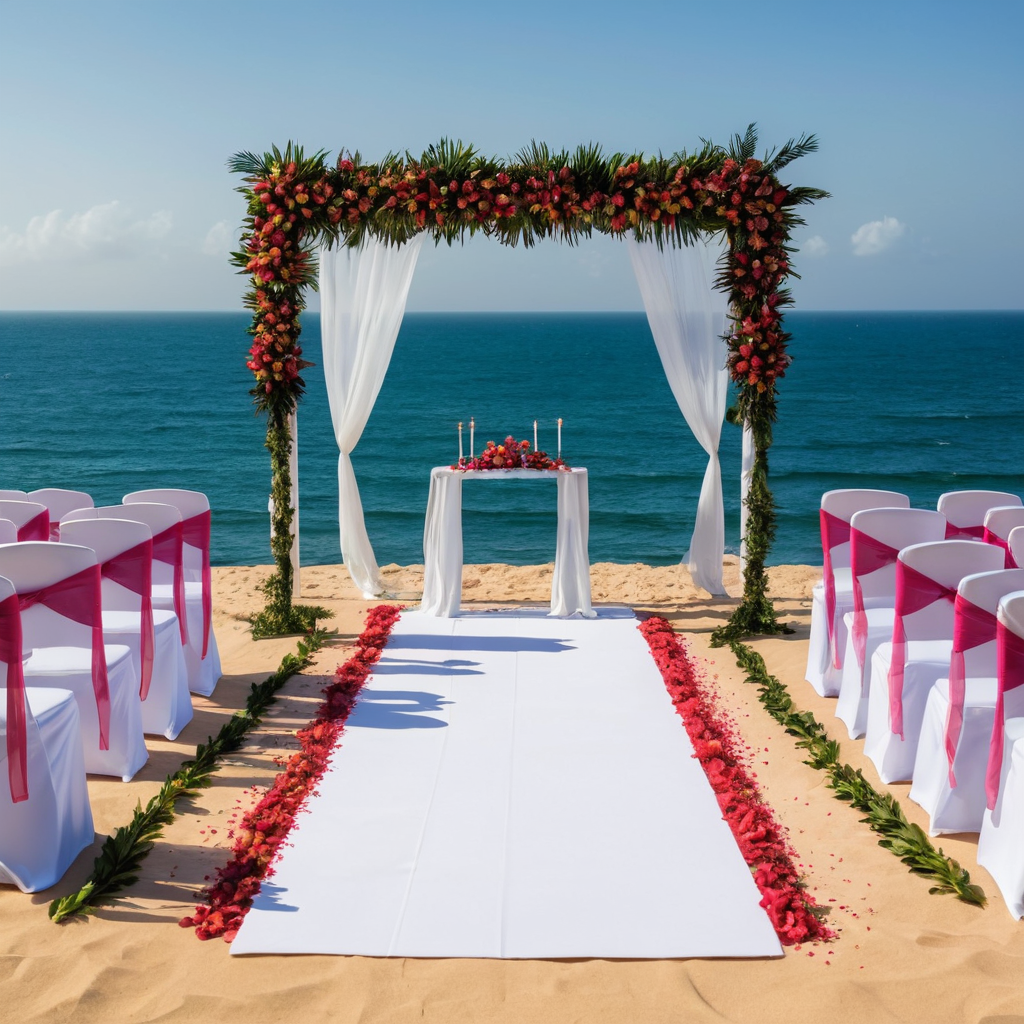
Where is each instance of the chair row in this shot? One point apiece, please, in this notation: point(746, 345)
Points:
point(990, 516)
point(91, 624)
point(927, 662)
point(181, 555)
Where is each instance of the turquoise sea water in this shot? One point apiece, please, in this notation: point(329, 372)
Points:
point(113, 402)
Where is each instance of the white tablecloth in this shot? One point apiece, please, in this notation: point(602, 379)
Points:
point(442, 540)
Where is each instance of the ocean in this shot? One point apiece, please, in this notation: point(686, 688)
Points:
point(114, 402)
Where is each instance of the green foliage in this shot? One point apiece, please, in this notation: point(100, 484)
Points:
point(883, 814)
point(123, 852)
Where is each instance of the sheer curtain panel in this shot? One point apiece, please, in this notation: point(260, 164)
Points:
point(362, 301)
point(687, 315)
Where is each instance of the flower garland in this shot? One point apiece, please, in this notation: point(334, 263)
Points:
point(297, 202)
point(266, 826)
point(511, 454)
point(762, 841)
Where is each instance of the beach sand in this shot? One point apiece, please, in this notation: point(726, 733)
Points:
point(901, 954)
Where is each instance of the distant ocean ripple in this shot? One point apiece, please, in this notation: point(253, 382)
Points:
point(113, 402)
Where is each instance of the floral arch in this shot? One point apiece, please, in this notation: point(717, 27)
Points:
point(296, 203)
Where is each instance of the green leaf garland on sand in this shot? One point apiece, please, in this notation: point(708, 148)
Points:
point(122, 853)
point(883, 813)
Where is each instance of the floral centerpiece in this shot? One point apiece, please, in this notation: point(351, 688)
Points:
point(511, 454)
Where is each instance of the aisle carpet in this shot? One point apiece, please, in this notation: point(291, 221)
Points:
point(512, 785)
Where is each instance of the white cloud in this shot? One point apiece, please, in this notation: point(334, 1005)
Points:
point(875, 236)
point(219, 240)
point(814, 247)
point(108, 230)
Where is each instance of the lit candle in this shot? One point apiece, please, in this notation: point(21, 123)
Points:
point(472, 428)
point(559, 436)
point(460, 440)
point(534, 435)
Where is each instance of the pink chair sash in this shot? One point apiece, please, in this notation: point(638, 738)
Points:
point(972, 627)
point(964, 532)
point(868, 555)
point(914, 591)
point(17, 719)
point(79, 597)
point(990, 538)
point(133, 569)
point(1010, 672)
point(834, 531)
point(37, 528)
point(55, 530)
point(196, 532)
point(167, 548)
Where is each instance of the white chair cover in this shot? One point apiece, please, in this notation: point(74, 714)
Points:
point(167, 706)
point(965, 510)
point(203, 674)
point(362, 301)
point(929, 633)
point(193, 505)
point(40, 837)
point(60, 502)
point(1015, 545)
point(1001, 843)
point(8, 532)
point(687, 315)
point(25, 513)
point(892, 528)
point(62, 657)
point(1000, 522)
point(13, 495)
point(961, 808)
point(837, 508)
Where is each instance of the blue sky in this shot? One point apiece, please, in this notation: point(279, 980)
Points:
point(116, 120)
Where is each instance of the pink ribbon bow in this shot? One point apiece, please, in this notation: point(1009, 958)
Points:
point(914, 591)
point(1010, 673)
point(79, 597)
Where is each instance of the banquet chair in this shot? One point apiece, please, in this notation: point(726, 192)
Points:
point(965, 510)
point(8, 495)
point(45, 817)
point(999, 522)
point(30, 518)
point(125, 553)
point(59, 590)
point(1015, 545)
point(1001, 843)
point(876, 537)
point(201, 654)
point(956, 731)
point(60, 503)
point(170, 592)
point(8, 532)
point(902, 671)
point(832, 597)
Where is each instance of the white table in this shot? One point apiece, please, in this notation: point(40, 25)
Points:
point(442, 539)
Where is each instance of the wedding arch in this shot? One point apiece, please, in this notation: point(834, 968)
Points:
point(299, 204)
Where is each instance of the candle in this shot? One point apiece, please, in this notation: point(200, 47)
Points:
point(472, 428)
point(559, 437)
point(534, 435)
point(460, 440)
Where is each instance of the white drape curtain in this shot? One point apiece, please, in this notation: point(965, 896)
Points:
point(687, 315)
point(362, 301)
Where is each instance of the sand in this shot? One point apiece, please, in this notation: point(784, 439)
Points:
point(901, 954)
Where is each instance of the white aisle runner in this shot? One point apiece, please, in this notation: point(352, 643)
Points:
point(512, 785)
